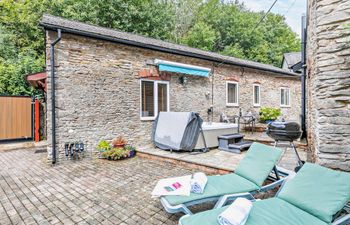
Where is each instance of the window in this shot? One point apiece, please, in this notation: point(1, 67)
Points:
point(162, 97)
point(154, 98)
point(285, 97)
point(231, 93)
point(256, 95)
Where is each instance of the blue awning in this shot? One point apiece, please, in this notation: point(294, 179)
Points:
point(182, 68)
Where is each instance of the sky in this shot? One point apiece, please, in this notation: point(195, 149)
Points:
point(291, 9)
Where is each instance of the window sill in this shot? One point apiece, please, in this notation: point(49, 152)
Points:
point(147, 119)
point(285, 106)
point(257, 106)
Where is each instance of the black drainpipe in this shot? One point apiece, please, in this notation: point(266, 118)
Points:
point(303, 76)
point(53, 102)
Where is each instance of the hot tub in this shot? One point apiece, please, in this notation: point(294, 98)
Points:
point(212, 131)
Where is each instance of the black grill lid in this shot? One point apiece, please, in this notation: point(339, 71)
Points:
point(283, 131)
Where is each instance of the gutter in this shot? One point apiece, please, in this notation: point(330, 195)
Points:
point(53, 102)
point(162, 49)
point(303, 76)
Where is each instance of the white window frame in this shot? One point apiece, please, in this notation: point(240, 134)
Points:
point(256, 85)
point(155, 98)
point(286, 89)
point(237, 93)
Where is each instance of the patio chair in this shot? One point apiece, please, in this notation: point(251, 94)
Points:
point(314, 196)
point(247, 180)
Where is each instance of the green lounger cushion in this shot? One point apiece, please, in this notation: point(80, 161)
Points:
point(266, 212)
point(258, 163)
point(217, 186)
point(319, 191)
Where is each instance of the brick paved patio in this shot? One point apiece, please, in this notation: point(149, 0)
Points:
point(90, 191)
point(84, 192)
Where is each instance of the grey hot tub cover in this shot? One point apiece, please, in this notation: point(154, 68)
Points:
point(176, 130)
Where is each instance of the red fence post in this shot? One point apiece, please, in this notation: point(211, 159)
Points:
point(37, 121)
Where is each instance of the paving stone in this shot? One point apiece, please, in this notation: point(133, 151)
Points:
point(53, 220)
point(83, 192)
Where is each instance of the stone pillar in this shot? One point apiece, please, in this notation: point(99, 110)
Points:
point(328, 54)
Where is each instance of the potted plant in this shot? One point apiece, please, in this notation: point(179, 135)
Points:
point(119, 142)
point(116, 154)
point(132, 150)
point(118, 150)
point(103, 146)
point(269, 115)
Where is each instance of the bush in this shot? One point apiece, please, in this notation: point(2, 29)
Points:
point(267, 113)
point(103, 146)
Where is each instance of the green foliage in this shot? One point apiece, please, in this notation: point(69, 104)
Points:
point(232, 27)
point(147, 17)
point(103, 146)
point(21, 44)
point(220, 26)
point(130, 148)
point(201, 36)
point(234, 50)
point(267, 113)
point(14, 64)
point(116, 154)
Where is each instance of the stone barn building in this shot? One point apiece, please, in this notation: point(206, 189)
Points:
point(110, 83)
point(328, 54)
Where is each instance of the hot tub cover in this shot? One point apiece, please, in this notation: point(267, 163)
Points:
point(176, 130)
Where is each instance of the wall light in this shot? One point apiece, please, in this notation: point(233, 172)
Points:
point(183, 80)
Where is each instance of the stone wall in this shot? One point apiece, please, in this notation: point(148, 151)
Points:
point(329, 82)
point(98, 90)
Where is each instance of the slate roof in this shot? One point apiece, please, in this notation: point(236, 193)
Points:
point(292, 58)
point(53, 23)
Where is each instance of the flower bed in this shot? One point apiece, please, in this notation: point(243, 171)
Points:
point(116, 151)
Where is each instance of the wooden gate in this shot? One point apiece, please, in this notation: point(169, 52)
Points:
point(16, 118)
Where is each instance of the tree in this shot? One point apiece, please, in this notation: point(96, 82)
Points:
point(184, 13)
point(220, 26)
point(146, 17)
point(14, 64)
point(24, 50)
point(237, 34)
point(201, 36)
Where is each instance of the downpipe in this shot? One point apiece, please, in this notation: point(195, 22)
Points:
point(53, 100)
point(303, 77)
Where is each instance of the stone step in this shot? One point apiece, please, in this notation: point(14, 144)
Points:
point(240, 145)
point(231, 136)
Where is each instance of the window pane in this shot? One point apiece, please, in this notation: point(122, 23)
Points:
point(256, 95)
point(162, 97)
point(232, 93)
point(285, 96)
point(147, 93)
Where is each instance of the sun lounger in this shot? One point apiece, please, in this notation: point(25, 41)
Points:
point(314, 196)
point(247, 180)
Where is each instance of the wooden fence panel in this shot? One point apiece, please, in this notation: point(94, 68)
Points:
point(15, 117)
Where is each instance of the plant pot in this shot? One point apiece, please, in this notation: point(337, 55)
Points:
point(119, 146)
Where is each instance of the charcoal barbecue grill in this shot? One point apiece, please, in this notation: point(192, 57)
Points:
point(286, 132)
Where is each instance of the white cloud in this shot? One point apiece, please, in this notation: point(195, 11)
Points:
point(254, 5)
point(291, 9)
